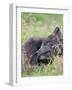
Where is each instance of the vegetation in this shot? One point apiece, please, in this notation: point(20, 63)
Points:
point(41, 25)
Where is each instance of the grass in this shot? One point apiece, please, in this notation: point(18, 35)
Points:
point(41, 25)
point(50, 70)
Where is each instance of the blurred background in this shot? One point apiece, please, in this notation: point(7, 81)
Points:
point(39, 24)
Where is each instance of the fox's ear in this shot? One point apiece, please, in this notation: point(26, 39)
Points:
point(57, 30)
